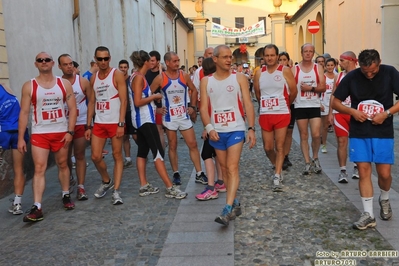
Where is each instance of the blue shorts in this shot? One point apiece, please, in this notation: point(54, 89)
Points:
point(371, 150)
point(226, 140)
point(9, 139)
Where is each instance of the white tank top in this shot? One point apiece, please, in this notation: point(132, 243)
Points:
point(146, 113)
point(306, 99)
point(347, 101)
point(225, 104)
point(273, 92)
point(175, 98)
point(108, 103)
point(325, 96)
point(81, 106)
point(48, 112)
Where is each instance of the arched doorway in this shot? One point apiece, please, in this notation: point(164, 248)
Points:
point(258, 56)
point(240, 58)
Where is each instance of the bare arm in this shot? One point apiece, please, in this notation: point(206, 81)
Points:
point(248, 106)
point(289, 78)
point(137, 86)
point(122, 91)
point(24, 116)
point(71, 103)
point(156, 83)
point(256, 84)
point(91, 101)
point(206, 119)
point(321, 86)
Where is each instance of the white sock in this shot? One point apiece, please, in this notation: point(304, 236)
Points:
point(384, 195)
point(18, 199)
point(128, 159)
point(199, 173)
point(368, 206)
point(81, 186)
point(64, 193)
point(343, 168)
point(38, 205)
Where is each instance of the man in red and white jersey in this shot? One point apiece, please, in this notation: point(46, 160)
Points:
point(79, 85)
point(199, 73)
point(51, 130)
point(275, 90)
point(108, 99)
point(347, 62)
point(310, 80)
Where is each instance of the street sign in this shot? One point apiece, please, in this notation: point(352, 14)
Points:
point(313, 27)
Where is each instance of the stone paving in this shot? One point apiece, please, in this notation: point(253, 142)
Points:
point(286, 228)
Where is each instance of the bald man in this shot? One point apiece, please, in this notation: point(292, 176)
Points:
point(347, 62)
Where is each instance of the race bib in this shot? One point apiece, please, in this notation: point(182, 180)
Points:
point(309, 95)
point(269, 103)
point(103, 106)
point(370, 108)
point(224, 118)
point(347, 101)
point(67, 113)
point(52, 115)
point(177, 112)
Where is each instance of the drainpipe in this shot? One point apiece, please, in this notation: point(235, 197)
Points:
point(75, 9)
point(175, 31)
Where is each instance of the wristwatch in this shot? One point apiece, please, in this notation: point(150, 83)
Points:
point(251, 128)
point(389, 113)
point(313, 89)
point(71, 132)
point(121, 124)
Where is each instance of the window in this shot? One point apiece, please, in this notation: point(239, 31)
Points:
point(216, 20)
point(239, 22)
point(264, 22)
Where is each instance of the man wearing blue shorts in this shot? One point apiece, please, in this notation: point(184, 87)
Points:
point(225, 94)
point(9, 113)
point(371, 128)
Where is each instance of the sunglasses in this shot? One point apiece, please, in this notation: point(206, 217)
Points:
point(102, 59)
point(42, 60)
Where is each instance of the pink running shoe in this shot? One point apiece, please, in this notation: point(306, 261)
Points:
point(207, 194)
point(220, 188)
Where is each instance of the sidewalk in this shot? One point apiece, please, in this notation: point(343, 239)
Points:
point(314, 213)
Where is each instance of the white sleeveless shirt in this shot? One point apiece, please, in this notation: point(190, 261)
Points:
point(307, 99)
point(48, 112)
point(81, 106)
point(225, 104)
point(108, 103)
point(273, 92)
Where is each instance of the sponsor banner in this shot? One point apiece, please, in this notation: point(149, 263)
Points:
point(226, 32)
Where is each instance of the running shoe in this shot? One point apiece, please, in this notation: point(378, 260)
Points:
point(285, 165)
point(127, 164)
point(201, 178)
point(148, 190)
point(286, 159)
point(307, 169)
point(176, 193)
point(386, 210)
point(343, 177)
point(15, 209)
point(116, 198)
point(355, 174)
point(68, 204)
point(316, 166)
point(225, 217)
point(277, 187)
point(102, 190)
point(207, 194)
point(82, 194)
point(364, 222)
point(236, 211)
point(220, 188)
point(176, 179)
point(330, 129)
point(72, 183)
point(34, 215)
point(323, 149)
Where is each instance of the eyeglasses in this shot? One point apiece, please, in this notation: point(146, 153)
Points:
point(42, 60)
point(102, 59)
point(225, 57)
